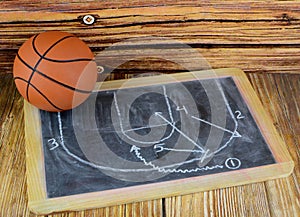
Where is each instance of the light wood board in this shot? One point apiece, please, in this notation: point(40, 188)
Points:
point(39, 203)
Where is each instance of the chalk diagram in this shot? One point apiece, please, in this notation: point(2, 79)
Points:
point(159, 145)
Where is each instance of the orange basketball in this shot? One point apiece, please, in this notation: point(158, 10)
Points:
point(55, 71)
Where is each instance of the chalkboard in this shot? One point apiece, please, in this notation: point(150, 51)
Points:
point(153, 133)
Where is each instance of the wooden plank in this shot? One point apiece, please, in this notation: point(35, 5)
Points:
point(115, 211)
point(273, 198)
point(229, 202)
point(36, 180)
point(229, 29)
point(34, 155)
point(283, 195)
point(146, 208)
point(226, 10)
point(251, 60)
point(13, 190)
point(105, 33)
point(279, 96)
point(119, 20)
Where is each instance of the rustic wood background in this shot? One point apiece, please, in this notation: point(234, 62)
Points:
point(262, 38)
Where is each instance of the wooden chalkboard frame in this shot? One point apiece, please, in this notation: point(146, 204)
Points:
point(37, 194)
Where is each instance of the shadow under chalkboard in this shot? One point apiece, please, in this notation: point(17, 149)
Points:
point(156, 133)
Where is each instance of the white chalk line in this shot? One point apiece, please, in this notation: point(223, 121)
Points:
point(179, 131)
point(146, 127)
point(235, 134)
point(157, 125)
point(204, 156)
point(168, 104)
point(161, 148)
point(138, 141)
point(88, 163)
point(176, 149)
point(164, 170)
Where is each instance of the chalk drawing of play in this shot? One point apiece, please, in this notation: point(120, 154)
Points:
point(158, 122)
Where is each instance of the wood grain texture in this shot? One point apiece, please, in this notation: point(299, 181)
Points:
point(152, 10)
point(258, 36)
point(251, 60)
point(13, 187)
point(284, 108)
point(36, 181)
point(210, 26)
point(227, 202)
point(272, 198)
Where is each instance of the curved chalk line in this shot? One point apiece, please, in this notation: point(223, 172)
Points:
point(233, 118)
point(138, 154)
point(164, 170)
point(88, 163)
point(145, 142)
point(179, 131)
point(233, 133)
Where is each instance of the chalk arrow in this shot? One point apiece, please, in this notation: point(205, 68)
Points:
point(179, 131)
point(236, 134)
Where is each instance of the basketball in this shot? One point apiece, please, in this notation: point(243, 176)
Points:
point(55, 71)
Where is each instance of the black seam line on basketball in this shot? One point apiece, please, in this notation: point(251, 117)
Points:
point(43, 95)
point(41, 58)
point(68, 61)
point(60, 61)
point(53, 80)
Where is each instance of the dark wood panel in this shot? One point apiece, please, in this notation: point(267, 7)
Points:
point(210, 26)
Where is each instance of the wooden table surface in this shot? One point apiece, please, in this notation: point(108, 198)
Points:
point(261, 38)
